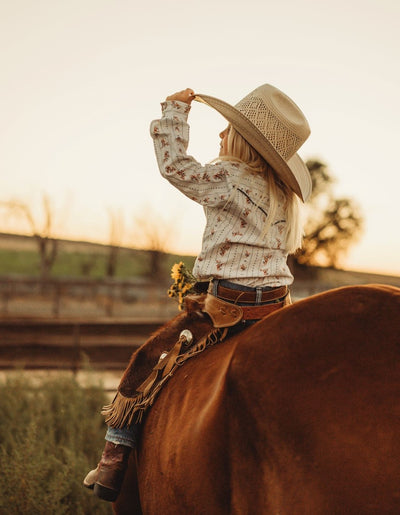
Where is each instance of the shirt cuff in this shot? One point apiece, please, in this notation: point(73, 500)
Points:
point(171, 108)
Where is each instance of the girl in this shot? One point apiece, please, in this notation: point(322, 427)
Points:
point(251, 197)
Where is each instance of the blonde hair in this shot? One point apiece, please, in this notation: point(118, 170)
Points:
point(239, 150)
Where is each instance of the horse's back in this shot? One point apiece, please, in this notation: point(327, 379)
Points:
point(323, 379)
point(298, 414)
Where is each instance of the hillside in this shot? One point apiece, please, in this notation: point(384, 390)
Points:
point(80, 259)
point(21, 243)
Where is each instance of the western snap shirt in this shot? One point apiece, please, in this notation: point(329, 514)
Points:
point(235, 203)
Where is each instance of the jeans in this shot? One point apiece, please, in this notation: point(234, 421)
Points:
point(123, 436)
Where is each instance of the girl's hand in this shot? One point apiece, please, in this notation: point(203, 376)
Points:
point(187, 95)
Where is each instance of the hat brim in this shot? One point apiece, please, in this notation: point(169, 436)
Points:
point(293, 172)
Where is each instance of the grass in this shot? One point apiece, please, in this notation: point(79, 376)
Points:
point(50, 437)
point(76, 264)
point(131, 263)
point(19, 262)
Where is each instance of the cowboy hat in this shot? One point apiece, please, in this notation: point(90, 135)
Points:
point(275, 126)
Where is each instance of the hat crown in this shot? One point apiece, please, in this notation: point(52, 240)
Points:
point(275, 127)
point(277, 117)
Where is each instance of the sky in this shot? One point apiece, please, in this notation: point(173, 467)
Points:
point(81, 80)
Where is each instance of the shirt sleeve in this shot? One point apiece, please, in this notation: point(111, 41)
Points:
point(208, 184)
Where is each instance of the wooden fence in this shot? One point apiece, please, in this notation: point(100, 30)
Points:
point(71, 344)
point(26, 296)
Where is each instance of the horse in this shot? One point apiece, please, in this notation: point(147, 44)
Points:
point(298, 414)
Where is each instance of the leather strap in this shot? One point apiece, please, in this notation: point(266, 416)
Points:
point(221, 312)
point(226, 314)
point(250, 296)
point(258, 312)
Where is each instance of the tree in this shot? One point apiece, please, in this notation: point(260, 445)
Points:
point(116, 234)
point(46, 243)
point(152, 232)
point(332, 225)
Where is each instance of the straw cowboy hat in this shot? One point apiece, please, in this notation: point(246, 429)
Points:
point(275, 126)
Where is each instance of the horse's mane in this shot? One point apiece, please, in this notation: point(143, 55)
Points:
point(145, 358)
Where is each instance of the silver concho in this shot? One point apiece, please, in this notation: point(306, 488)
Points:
point(187, 335)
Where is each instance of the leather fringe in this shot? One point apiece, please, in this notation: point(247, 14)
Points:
point(125, 411)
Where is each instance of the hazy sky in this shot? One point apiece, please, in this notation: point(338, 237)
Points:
point(80, 81)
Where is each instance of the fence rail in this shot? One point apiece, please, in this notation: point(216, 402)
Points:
point(71, 344)
point(68, 297)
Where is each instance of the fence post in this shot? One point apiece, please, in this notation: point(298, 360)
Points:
point(77, 348)
point(56, 299)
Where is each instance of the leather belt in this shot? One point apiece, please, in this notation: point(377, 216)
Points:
point(226, 314)
point(258, 312)
point(249, 297)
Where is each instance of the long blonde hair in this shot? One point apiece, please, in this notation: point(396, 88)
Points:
point(239, 150)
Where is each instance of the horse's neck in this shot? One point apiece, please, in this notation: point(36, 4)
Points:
point(146, 357)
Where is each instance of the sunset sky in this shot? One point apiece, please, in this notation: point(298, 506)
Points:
point(80, 81)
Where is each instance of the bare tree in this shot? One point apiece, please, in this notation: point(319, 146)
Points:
point(333, 224)
point(117, 228)
point(153, 233)
point(47, 244)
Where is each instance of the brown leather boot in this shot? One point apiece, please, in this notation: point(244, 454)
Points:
point(106, 479)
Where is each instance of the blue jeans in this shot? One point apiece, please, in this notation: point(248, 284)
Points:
point(123, 436)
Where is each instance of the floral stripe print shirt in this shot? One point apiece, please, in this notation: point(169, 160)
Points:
point(234, 203)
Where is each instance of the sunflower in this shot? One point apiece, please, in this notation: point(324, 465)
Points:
point(183, 283)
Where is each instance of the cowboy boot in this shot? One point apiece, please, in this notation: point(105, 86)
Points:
point(106, 480)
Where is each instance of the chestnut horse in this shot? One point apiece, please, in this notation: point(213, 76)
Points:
point(298, 414)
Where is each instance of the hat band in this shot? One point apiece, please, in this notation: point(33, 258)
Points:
point(285, 141)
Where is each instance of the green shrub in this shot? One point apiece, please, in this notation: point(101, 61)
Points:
point(50, 437)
